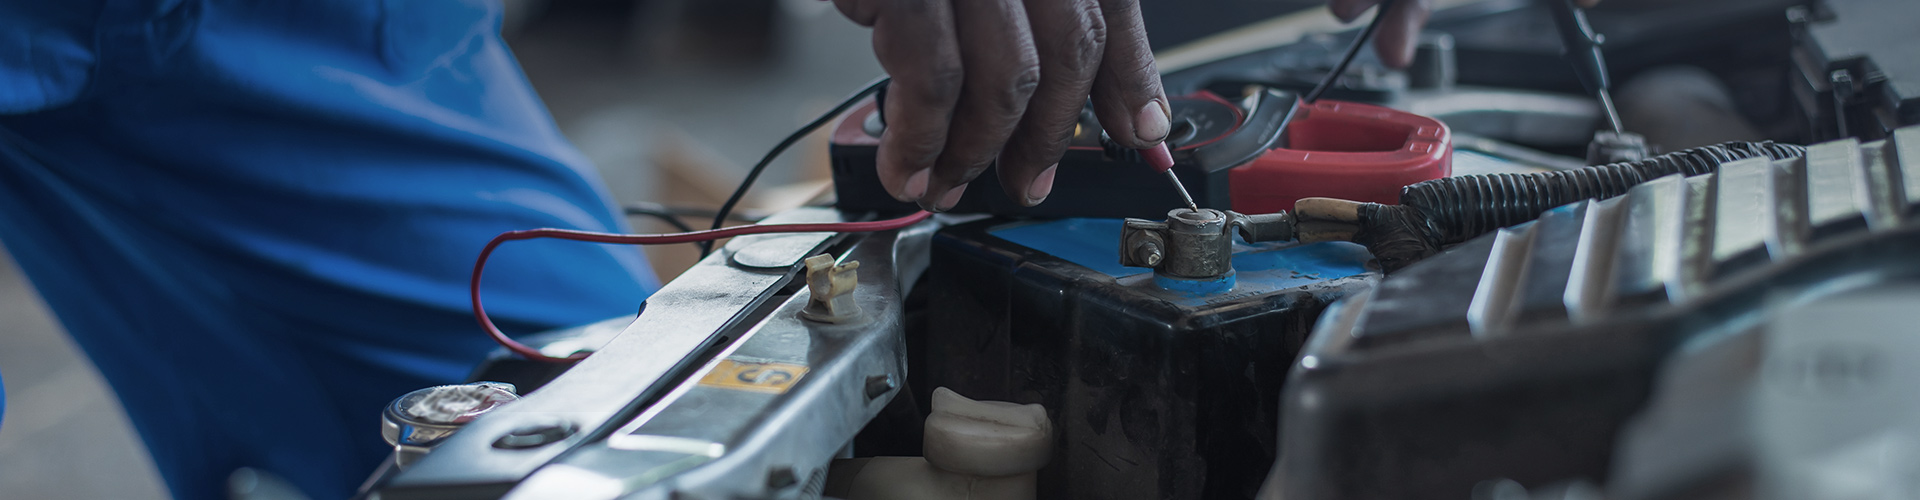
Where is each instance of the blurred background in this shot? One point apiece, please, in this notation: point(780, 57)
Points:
point(671, 99)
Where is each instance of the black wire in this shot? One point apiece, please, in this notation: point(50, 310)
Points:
point(644, 207)
point(720, 219)
point(1353, 49)
point(660, 212)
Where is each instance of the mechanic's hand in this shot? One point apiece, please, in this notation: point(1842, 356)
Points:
point(1401, 31)
point(976, 80)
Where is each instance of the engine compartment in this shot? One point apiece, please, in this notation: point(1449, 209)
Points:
point(1620, 347)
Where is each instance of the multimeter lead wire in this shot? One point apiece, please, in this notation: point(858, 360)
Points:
point(1340, 68)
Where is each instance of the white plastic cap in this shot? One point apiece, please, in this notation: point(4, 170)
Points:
point(987, 438)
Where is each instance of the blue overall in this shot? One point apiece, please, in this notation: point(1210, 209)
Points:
point(258, 218)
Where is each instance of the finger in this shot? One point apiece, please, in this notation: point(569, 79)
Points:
point(1348, 10)
point(1002, 71)
point(1401, 32)
point(1069, 37)
point(915, 43)
point(1127, 96)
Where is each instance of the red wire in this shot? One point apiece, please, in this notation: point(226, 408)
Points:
point(480, 313)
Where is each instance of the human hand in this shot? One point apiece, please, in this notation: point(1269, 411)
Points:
point(975, 81)
point(1401, 30)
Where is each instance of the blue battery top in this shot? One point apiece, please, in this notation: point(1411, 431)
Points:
point(1258, 268)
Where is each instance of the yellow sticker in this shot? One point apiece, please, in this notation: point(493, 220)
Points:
point(772, 378)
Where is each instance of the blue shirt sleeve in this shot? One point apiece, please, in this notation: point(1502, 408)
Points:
point(258, 219)
point(46, 52)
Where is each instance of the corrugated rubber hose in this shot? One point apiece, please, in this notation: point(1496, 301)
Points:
point(1451, 210)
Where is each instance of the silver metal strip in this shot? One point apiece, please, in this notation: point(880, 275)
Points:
point(1649, 253)
point(1694, 251)
point(778, 403)
point(1905, 152)
point(1833, 196)
point(1549, 269)
point(679, 321)
point(1743, 213)
point(1788, 188)
point(1880, 180)
point(1491, 311)
point(1592, 273)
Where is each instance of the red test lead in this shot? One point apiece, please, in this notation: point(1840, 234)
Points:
point(1162, 161)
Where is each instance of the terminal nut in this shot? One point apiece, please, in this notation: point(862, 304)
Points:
point(1142, 243)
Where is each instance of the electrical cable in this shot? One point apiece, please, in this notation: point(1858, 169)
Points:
point(1340, 68)
point(720, 219)
point(480, 264)
point(1450, 210)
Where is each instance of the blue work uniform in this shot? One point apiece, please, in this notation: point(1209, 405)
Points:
point(259, 218)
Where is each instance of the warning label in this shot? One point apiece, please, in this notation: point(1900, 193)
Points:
point(772, 378)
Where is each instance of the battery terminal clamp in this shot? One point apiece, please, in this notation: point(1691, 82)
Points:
point(1197, 245)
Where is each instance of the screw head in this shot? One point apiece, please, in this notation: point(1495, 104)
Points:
point(781, 478)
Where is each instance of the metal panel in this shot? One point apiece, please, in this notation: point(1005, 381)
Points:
point(719, 435)
point(1431, 300)
point(1540, 400)
point(679, 321)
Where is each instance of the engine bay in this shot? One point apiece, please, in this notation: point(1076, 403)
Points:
point(1451, 281)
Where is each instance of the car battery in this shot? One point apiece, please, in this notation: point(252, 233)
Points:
point(1154, 393)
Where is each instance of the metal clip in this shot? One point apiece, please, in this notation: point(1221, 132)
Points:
point(831, 287)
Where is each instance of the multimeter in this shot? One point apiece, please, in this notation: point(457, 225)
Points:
point(1253, 153)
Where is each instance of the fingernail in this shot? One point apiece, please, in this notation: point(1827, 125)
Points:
point(1042, 186)
point(950, 199)
point(917, 185)
point(1152, 123)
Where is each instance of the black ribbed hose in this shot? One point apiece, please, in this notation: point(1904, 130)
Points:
point(1451, 210)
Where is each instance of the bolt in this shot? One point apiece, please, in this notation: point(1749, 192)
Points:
point(781, 478)
point(533, 436)
point(1148, 253)
point(878, 385)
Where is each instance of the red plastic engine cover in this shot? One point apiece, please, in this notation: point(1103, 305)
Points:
point(1344, 150)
